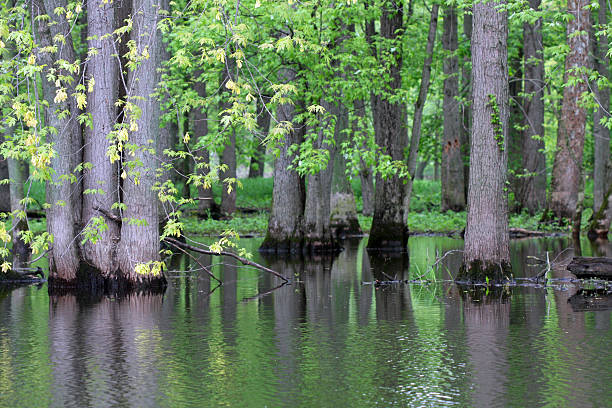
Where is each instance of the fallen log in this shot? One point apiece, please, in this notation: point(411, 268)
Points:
point(591, 300)
point(586, 267)
point(524, 233)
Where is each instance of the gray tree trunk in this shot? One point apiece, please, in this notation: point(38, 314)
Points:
point(487, 252)
point(601, 134)
point(452, 180)
point(62, 196)
point(317, 231)
point(389, 231)
point(418, 109)
point(256, 169)
point(515, 160)
point(565, 183)
point(103, 175)
point(366, 173)
point(288, 195)
point(343, 217)
point(228, 158)
point(532, 186)
point(140, 239)
point(466, 84)
point(5, 202)
point(199, 128)
point(21, 251)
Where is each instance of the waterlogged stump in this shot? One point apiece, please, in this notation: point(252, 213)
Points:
point(586, 267)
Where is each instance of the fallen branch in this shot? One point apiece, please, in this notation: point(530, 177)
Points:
point(523, 233)
point(196, 261)
point(243, 260)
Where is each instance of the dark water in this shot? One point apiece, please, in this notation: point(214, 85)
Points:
point(327, 340)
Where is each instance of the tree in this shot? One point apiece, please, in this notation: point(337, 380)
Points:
point(453, 181)
point(139, 244)
point(600, 225)
point(532, 184)
point(487, 251)
point(567, 167)
point(389, 232)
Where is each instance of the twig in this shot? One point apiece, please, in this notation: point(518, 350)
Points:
point(198, 262)
point(244, 261)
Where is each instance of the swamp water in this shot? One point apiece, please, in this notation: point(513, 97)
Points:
point(327, 340)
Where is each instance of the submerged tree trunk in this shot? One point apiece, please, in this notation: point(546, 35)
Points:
point(389, 232)
point(63, 213)
point(567, 166)
point(288, 195)
point(140, 229)
point(453, 181)
point(487, 252)
point(317, 232)
point(418, 109)
point(532, 185)
point(600, 226)
point(101, 180)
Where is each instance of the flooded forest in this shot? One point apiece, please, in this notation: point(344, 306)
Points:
point(305, 203)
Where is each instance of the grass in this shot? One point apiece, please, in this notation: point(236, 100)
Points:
point(256, 194)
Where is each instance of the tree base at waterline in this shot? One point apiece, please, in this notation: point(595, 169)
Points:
point(90, 280)
point(478, 271)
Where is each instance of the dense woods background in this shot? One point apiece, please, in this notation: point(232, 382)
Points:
point(130, 112)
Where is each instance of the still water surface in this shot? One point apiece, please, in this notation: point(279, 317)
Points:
point(327, 340)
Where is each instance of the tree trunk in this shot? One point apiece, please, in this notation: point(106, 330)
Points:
point(256, 169)
point(487, 252)
point(453, 181)
point(366, 173)
point(343, 218)
point(317, 232)
point(532, 185)
point(389, 232)
point(601, 134)
point(420, 171)
point(565, 183)
point(466, 84)
point(199, 128)
point(140, 229)
point(228, 158)
point(102, 177)
point(5, 202)
point(515, 160)
point(21, 251)
point(288, 195)
point(62, 196)
point(418, 109)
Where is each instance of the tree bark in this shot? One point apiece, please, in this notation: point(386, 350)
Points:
point(487, 253)
point(389, 232)
point(21, 251)
point(567, 166)
point(466, 84)
point(288, 194)
point(62, 196)
point(140, 229)
point(452, 180)
point(366, 175)
point(256, 169)
point(5, 202)
point(532, 185)
point(103, 175)
point(228, 158)
point(343, 217)
point(515, 160)
point(199, 127)
point(317, 232)
point(418, 109)
point(601, 134)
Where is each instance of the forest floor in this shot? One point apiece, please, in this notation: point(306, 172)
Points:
point(254, 200)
